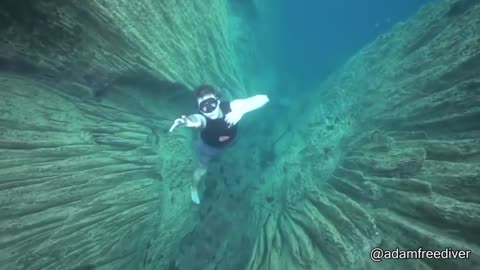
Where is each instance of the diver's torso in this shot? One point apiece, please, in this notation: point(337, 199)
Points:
point(217, 132)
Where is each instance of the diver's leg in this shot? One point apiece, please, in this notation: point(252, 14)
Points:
point(197, 176)
point(204, 154)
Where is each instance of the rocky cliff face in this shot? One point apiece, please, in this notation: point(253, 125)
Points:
point(99, 42)
point(89, 176)
point(390, 156)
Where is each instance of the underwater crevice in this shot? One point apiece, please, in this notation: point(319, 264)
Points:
point(459, 7)
point(22, 67)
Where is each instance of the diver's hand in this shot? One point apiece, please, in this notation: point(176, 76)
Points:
point(185, 121)
point(232, 117)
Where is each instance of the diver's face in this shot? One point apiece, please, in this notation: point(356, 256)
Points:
point(208, 106)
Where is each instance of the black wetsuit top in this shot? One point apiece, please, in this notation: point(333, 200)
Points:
point(216, 129)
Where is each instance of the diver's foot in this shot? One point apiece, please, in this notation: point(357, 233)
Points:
point(194, 195)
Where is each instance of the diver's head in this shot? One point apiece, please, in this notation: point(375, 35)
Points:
point(208, 101)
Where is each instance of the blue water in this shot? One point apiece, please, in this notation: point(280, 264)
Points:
point(315, 37)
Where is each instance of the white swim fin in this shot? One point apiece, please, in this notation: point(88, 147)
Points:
point(194, 195)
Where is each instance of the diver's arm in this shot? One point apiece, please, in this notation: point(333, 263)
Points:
point(193, 121)
point(198, 120)
point(242, 106)
point(248, 104)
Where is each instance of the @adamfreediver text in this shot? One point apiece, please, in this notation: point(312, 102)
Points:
point(379, 254)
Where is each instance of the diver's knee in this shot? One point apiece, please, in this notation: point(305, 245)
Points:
point(202, 170)
point(199, 172)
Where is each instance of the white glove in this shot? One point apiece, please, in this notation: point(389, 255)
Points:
point(232, 117)
point(184, 121)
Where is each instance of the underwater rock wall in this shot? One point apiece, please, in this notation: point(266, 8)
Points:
point(87, 183)
point(89, 176)
point(394, 150)
point(95, 42)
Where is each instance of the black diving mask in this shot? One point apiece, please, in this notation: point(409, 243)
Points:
point(208, 105)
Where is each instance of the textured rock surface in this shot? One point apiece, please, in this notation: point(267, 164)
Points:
point(89, 178)
point(85, 183)
point(100, 42)
point(396, 135)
